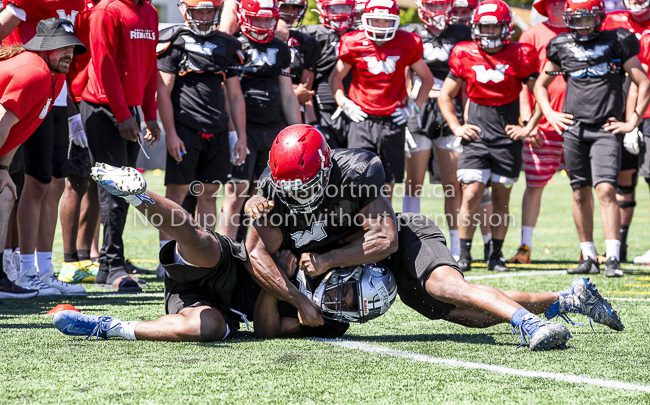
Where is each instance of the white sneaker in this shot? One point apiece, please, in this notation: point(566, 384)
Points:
point(645, 259)
point(61, 286)
point(9, 267)
point(160, 271)
point(30, 280)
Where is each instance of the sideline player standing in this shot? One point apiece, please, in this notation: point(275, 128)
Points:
point(378, 56)
point(594, 63)
point(494, 69)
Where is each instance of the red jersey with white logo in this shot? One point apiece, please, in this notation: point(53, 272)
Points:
point(123, 71)
point(644, 57)
point(379, 72)
point(623, 19)
point(493, 79)
point(539, 35)
point(28, 89)
point(37, 10)
point(78, 74)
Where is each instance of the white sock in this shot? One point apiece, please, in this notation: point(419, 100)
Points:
point(26, 262)
point(43, 262)
point(487, 238)
point(163, 243)
point(411, 204)
point(527, 236)
point(588, 250)
point(125, 330)
point(613, 248)
point(454, 242)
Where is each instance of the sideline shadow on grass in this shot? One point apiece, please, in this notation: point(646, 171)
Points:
point(89, 304)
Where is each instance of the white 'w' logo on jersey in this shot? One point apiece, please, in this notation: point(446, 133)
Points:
point(192, 46)
point(376, 66)
point(485, 75)
point(260, 58)
point(437, 53)
point(317, 233)
point(70, 17)
point(583, 54)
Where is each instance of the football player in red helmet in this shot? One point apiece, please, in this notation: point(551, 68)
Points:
point(336, 14)
point(494, 69)
point(463, 10)
point(258, 19)
point(359, 9)
point(378, 55)
point(592, 62)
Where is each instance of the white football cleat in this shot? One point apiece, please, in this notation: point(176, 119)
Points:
point(31, 281)
point(63, 287)
point(644, 259)
point(125, 182)
point(9, 266)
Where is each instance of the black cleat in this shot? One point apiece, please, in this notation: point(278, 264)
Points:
point(497, 262)
point(613, 268)
point(465, 264)
point(588, 266)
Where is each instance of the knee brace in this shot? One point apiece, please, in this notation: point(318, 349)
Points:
point(626, 204)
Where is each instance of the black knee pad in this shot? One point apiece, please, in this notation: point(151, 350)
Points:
point(626, 204)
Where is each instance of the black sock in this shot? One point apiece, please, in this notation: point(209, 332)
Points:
point(84, 254)
point(497, 244)
point(465, 249)
point(623, 237)
point(70, 257)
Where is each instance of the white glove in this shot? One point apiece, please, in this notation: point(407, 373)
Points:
point(401, 115)
point(77, 133)
point(232, 141)
point(353, 111)
point(632, 141)
point(409, 143)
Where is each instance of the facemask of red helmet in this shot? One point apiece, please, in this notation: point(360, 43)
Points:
point(435, 13)
point(636, 7)
point(258, 19)
point(380, 20)
point(492, 24)
point(336, 14)
point(462, 12)
point(197, 12)
point(584, 18)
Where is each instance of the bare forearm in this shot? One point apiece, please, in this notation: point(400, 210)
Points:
point(238, 113)
point(291, 108)
point(423, 91)
point(367, 249)
point(642, 102)
point(448, 110)
point(9, 157)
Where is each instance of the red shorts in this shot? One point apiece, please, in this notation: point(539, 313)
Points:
point(540, 164)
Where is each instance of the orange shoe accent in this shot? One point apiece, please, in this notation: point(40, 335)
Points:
point(522, 256)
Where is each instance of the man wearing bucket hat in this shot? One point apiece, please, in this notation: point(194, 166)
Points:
point(31, 76)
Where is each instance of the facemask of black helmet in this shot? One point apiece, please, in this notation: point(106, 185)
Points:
point(584, 24)
point(199, 26)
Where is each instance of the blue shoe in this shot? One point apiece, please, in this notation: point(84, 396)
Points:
point(583, 298)
point(544, 335)
point(73, 323)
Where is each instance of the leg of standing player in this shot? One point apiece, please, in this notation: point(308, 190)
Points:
point(448, 164)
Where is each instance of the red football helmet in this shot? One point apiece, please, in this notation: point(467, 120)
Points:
point(381, 10)
point(582, 9)
point(258, 19)
point(201, 27)
point(293, 20)
point(435, 13)
point(492, 12)
point(463, 10)
point(636, 8)
point(359, 9)
point(336, 14)
point(300, 163)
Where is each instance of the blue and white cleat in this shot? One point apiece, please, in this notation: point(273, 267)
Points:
point(583, 298)
point(73, 323)
point(125, 182)
point(544, 335)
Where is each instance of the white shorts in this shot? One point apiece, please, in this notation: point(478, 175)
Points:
point(467, 176)
point(448, 142)
point(421, 143)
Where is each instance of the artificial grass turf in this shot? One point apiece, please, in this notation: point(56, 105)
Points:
point(43, 366)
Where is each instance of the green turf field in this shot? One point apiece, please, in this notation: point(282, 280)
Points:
point(399, 358)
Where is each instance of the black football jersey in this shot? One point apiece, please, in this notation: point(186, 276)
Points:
point(594, 73)
point(305, 53)
point(201, 64)
point(260, 75)
point(356, 179)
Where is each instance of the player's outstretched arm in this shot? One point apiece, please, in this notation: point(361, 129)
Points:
point(560, 121)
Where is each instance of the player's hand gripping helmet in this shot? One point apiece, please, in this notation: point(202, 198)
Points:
point(336, 14)
point(636, 7)
point(435, 13)
point(197, 25)
point(258, 19)
point(380, 21)
point(359, 9)
point(463, 10)
point(353, 294)
point(300, 163)
point(293, 20)
point(495, 17)
point(584, 18)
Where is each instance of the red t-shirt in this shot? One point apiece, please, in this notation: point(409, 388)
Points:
point(623, 19)
point(493, 79)
point(78, 74)
point(123, 71)
point(37, 10)
point(379, 72)
point(539, 35)
point(28, 89)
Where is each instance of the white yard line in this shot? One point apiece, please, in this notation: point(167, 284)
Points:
point(516, 274)
point(576, 379)
point(627, 299)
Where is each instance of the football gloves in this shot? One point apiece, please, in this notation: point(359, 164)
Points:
point(401, 115)
point(353, 111)
point(632, 141)
point(77, 133)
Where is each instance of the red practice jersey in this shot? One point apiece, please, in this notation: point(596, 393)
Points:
point(493, 79)
point(78, 74)
point(623, 19)
point(379, 72)
point(539, 36)
point(37, 10)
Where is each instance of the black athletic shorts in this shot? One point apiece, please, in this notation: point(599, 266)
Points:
point(79, 161)
point(501, 159)
point(332, 129)
point(45, 153)
point(259, 139)
point(385, 138)
point(591, 155)
point(628, 160)
point(433, 124)
point(422, 248)
point(207, 159)
point(225, 287)
point(644, 155)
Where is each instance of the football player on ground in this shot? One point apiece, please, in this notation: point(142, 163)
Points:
point(378, 55)
point(326, 207)
point(494, 69)
point(594, 64)
point(194, 60)
point(336, 18)
point(208, 289)
point(270, 101)
point(543, 153)
point(429, 128)
point(462, 13)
